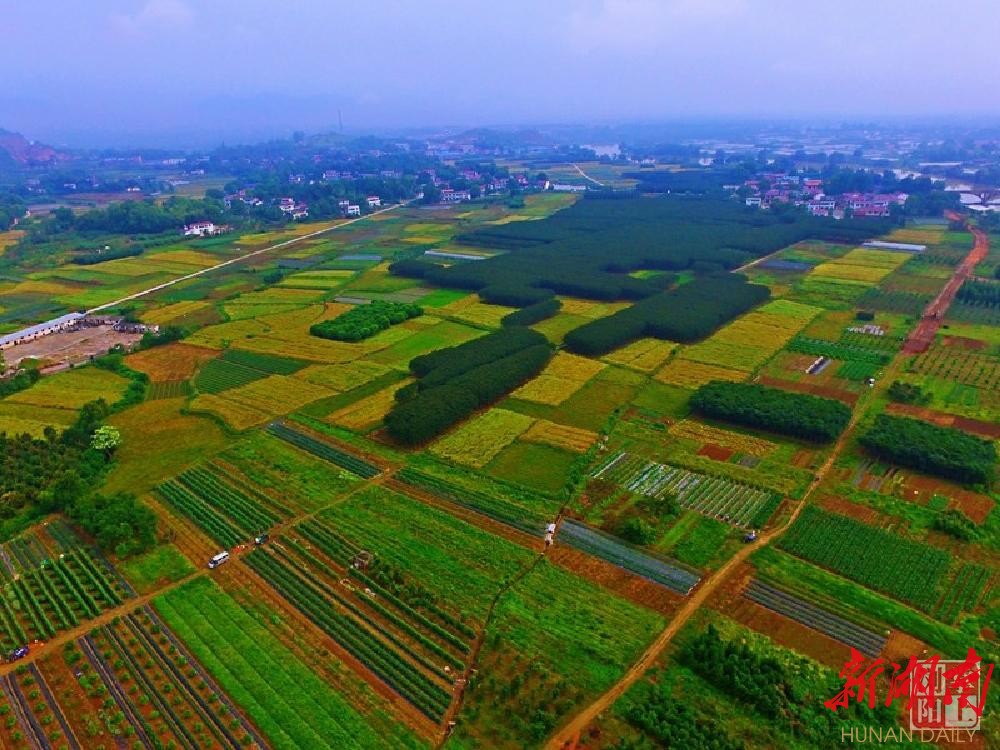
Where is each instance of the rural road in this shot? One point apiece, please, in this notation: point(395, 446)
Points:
point(243, 257)
point(568, 735)
point(586, 176)
point(933, 316)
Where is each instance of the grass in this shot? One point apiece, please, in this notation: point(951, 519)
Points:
point(476, 442)
point(539, 467)
point(564, 640)
point(281, 694)
point(644, 355)
point(702, 543)
point(688, 374)
point(467, 567)
point(260, 400)
point(367, 412)
point(560, 436)
point(176, 361)
point(72, 389)
point(158, 567)
point(278, 469)
point(158, 441)
point(560, 379)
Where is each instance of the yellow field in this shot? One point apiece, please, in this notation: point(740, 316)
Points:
point(257, 402)
point(590, 309)
point(560, 379)
point(343, 377)
point(186, 257)
point(575, 439)
point(929, 235)
point(329, 279)
point(475, 443)
point(690, 374)
point(9, 238)
point(478, 313)
point(749, 341)
point(861, 265)
point(367, 412)
point(277, 394)
point(40, 286)
point(238, 416)
point(72, 389)
point(644, 355)
point(176, 361)
point(17, 419)
point(163, 315)
point(704, 433)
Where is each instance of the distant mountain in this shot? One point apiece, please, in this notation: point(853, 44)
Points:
point(22, 151)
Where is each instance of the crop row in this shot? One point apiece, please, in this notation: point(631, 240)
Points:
point(407, 621)
point(320, 537)
point(964, 594)
point(836, 350)
point(814, 617)
point(324, 450)
point(56, 596)
point(384, 661)
point(618, 553)
point(732, 502)
point(485, 504)
point(337, 548)
point(909, 571)
point(250, 514)
point(206, 518)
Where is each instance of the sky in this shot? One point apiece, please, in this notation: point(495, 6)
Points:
point(201, 72)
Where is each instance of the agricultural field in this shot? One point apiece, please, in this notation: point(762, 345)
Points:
point(405, 584)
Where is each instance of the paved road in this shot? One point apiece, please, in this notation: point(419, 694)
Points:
point(243, 257)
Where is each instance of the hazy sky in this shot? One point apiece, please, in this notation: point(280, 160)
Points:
point(100, 71)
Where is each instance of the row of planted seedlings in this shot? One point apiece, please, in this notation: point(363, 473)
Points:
point(57, 595)
point(413, 667)
point(28, 719)
point(227, 512)
point(173, 695)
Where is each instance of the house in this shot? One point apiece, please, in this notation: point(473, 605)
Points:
point(56, 325)
point(455, 196)
point(373, 201)
point(821, 205)
point(354, 210)
point(201, 229)
point(561, 187)
point(812, 187)
point(343, 204)
point(286, 205)
point(753, 200)
point(301, 211)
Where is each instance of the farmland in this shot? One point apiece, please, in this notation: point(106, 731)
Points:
point(405, 470)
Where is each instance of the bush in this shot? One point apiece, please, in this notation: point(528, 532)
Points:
point(957, 524)
point(364, 321)
point(685, 314)
point(796, 414)
point(908, 393)
point(532, 314)
point(90, 259)
point(637, 531)
point(942, 451)
point(454, 382)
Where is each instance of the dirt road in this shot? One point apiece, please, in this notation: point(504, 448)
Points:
point(923, 335)
point(586, 176)
point(243, 257)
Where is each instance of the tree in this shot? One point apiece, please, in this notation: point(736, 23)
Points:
point(106, 439)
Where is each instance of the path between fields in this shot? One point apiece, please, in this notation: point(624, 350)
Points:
point(243, 257)
point(586, 176)
point(922, 336)
point(569, 734)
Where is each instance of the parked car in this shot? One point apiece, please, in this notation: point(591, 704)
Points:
point(260, 539)
point(218, 560)
point(18, 653)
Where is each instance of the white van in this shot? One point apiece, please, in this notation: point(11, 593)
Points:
point(218, 560)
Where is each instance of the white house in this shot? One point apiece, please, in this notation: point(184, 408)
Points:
point(354, 210)
point(455, 196)
point(200, 229)
point(374, 201)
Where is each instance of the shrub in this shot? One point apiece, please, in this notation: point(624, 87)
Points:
point(364, 321)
